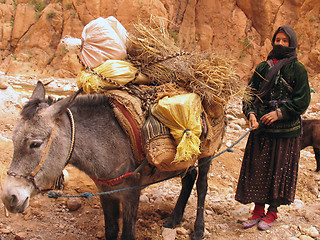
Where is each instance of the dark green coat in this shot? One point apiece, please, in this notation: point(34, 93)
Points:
point(297, 99)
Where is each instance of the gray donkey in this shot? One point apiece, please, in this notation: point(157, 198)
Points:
point(43, 145)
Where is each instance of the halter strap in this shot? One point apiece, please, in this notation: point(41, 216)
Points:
point(46, 151)
point(31, 175)
point(44, 156)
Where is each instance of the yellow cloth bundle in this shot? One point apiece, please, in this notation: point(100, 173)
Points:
point(182, 114)
point(119, 71)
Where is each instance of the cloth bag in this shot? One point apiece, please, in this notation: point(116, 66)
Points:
point(118, 71)
point(103, 39)
point(182, 115)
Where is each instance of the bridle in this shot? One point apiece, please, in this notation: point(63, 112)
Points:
point(31, 176)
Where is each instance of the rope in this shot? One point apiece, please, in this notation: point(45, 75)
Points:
point(89, 195)
point(70, 115)
point(114, 181)
point(156, 61)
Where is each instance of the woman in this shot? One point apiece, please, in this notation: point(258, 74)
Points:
point(270, 166)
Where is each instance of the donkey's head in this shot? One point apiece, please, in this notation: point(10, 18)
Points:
point(41, 142)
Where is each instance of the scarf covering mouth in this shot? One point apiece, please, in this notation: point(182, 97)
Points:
point(284, 54)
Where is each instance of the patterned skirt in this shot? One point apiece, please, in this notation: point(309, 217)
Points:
point(269, 170)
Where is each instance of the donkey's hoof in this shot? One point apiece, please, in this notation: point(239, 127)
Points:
point(197, 236)
point(170, 223)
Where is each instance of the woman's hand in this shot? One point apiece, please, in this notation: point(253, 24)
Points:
point(253, 122)
point(269, 118)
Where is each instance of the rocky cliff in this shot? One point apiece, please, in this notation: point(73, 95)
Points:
point(30, 30)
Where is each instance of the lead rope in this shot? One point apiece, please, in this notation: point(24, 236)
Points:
point(88, 195)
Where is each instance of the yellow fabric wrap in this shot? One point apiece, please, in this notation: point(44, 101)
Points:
point(119, 71)
point(182, 114)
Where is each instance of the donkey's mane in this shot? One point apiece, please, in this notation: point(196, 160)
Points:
point(89, 100)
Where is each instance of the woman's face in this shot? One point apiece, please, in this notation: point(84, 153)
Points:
point(282, 39)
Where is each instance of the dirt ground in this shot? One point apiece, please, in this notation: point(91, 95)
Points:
point(50, 219)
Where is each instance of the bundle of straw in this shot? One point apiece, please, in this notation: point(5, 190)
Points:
point(156, 55)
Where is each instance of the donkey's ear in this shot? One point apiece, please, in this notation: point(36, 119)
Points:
point(39, 92)
point(60, 107)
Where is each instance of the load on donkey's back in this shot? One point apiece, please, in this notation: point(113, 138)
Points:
point(169, 102)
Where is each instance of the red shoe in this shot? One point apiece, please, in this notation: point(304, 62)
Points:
point(267, 221)
point(258, 214)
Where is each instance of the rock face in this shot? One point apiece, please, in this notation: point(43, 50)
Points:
point(30, 30)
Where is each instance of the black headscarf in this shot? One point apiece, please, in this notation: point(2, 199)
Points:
point(284, 54)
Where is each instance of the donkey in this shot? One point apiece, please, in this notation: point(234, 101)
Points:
point(43, 146)
point(311, 137)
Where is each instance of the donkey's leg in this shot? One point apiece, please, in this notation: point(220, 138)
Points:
point(202, 186)
point(111, 209)
point(317, 156)
point(187, 185)
point(129, 213)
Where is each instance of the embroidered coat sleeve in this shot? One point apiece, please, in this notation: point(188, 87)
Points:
point(301, 96)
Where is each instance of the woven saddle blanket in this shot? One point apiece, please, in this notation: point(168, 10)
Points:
point(128, 111)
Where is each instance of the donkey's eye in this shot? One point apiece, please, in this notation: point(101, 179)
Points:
point(35, 144)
